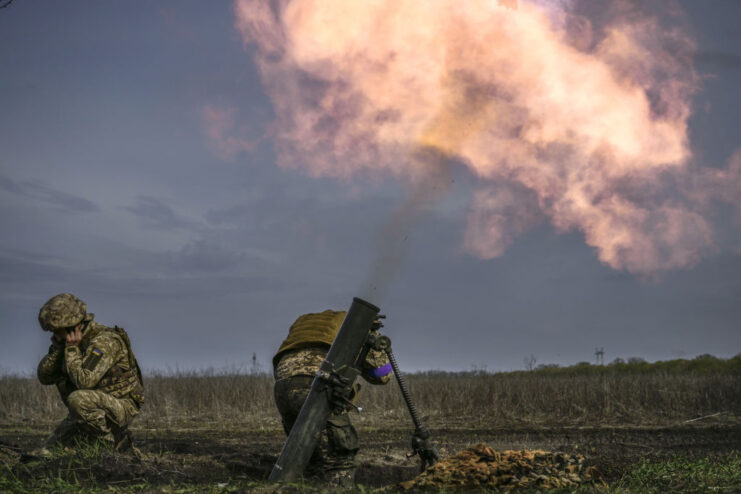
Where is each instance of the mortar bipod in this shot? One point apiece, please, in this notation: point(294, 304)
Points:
point(421, 444)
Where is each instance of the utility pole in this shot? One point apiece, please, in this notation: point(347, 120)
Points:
point(599, 356)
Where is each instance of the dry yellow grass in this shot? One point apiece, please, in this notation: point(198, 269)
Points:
point(537, 398)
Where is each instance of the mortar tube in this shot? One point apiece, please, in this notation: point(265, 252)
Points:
point(312, 418)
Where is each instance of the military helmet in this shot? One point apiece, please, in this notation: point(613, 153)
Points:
point(62, 311)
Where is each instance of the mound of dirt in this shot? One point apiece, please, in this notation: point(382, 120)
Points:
point(482, 467)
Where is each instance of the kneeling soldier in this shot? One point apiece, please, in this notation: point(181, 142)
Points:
point(95, 372)
point(294, 367)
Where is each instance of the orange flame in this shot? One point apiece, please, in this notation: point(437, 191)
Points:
point(557, 119)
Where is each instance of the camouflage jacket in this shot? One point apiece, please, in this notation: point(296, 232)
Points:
point(102, 361)
point(308, 341)
point(376, 369)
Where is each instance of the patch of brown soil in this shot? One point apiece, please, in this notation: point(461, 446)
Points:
point(480, 466)
point(105, 468)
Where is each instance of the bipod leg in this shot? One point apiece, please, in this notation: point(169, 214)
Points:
point(421, 444)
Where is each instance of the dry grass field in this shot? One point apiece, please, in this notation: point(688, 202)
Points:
point(220, 431)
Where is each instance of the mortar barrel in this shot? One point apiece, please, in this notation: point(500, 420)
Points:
point(312, 418)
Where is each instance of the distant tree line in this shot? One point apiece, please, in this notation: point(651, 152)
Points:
point(705, 364)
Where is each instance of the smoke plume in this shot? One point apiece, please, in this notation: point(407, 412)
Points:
point(559, 117)
point(391, 242)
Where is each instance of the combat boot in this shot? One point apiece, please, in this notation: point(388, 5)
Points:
point(38, 454)
point(122, 440)
point(124, 443)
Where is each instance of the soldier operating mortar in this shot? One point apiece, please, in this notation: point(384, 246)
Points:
point(357, 349)
point(295, 365)
point(94, 370)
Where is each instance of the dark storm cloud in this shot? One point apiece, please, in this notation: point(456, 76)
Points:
point(716, 60)
point(200, 266)
point(19, 267)
point(35, 189)
point(213, 262)
point(205, 256)
point(173, 288)
point(281, 211)
point(259, 215)
point(62, 200)
point(155, 214)
point(233, 214)
point(617, 277)
point(9, 185)
point(201, 258)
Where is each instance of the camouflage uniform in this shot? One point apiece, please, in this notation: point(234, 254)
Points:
point(99, 380)
point(294, 367)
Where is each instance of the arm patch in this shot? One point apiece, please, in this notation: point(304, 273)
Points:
point(379, 372)
point(92, 360)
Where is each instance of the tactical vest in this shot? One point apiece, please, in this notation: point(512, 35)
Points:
point(312, 330)
point(118, 382)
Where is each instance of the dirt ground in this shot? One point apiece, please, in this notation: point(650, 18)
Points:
point(217, 456)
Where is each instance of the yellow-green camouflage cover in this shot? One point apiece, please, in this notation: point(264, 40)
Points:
point(316, 329)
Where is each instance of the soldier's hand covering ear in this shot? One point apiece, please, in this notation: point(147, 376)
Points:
point(74, 337)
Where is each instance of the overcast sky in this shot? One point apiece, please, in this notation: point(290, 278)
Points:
point(117, 184)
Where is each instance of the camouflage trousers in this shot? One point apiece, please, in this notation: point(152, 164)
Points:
point(93, 414)
point(333, 459)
